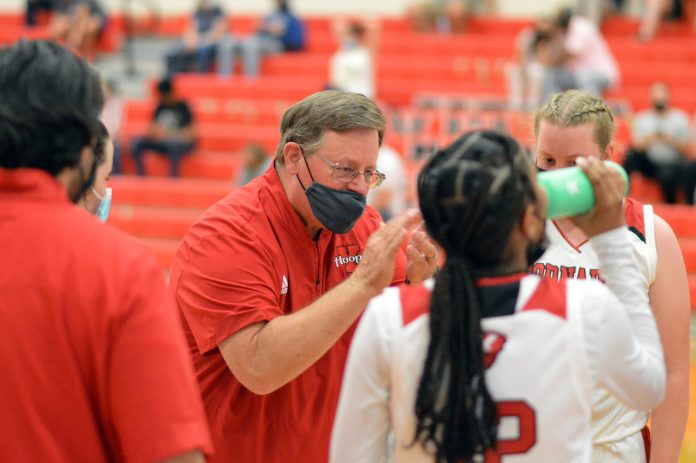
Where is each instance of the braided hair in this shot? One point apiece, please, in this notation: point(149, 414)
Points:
point(576, 107)
point(471, 195)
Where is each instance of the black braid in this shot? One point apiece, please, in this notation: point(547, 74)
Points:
point(471, 195)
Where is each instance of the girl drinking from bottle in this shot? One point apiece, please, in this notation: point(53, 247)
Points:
point(570, 125)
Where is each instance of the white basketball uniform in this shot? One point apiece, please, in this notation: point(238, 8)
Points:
point(545, 353)
point(616, 428)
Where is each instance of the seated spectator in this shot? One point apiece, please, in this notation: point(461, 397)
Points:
point(653, 12)
point(280, 31)
point(34, 7)
point(112, 116)
point(79, 23)
point(659, 140)
point(256, 161)
point(197, 50)
point(172, 132)
point(444, 15)
point(540, 70)
point(351, 68)
point(588, 54)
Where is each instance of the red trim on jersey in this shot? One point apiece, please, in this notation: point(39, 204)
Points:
point(501, 280)
point(576, 248)
point(415, 302)
point(647, 441)
point(549, 296)
point(633, 212)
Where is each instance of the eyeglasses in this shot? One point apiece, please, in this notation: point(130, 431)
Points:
point(347, 174)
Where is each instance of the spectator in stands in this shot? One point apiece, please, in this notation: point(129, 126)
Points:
point(352, 68)
point(654, 11)
point(444, 15)
point(438, 15)
point(269, 286)
point(197, 50)
point(34, 7)
point(660, 136)
point(172, 132)
point(256, 162)
point(97, 200)
point(103, 373)
point(390, 198)
point(112, 116)
point(280, 31)
point(79, 23)
point(540, 70)
point(589, 57)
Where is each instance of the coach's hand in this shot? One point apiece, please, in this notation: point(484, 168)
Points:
point(422, 256)
point(376, 268)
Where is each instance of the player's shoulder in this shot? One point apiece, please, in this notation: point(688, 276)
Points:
point(635, 214)
point(400, 306)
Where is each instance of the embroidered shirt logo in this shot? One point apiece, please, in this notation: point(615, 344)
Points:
point(347, 257)
point(284, 285)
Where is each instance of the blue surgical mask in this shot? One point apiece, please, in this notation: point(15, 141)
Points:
point(102, 212)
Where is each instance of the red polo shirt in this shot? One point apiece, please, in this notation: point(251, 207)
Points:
point(93, 365)
point(250, 259)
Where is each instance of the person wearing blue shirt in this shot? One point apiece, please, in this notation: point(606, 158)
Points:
point(280, 31)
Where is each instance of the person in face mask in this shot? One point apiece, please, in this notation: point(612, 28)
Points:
point(102, 360)
point(659, 139)
point(352, 66)
point(271, 279)
point(97, 200)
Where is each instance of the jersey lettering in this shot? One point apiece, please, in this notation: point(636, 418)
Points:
point(553, 272)
point(526, 435)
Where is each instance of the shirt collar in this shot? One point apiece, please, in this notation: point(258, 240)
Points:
point(32, 184)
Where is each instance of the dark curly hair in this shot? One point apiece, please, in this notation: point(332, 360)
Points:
point(471, 195)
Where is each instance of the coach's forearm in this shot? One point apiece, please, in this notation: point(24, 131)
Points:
point(265, 357)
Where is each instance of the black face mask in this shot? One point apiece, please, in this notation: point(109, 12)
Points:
point(337, 210)
point(659, 106)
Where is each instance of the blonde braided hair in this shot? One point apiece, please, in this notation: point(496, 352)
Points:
point(577, 107)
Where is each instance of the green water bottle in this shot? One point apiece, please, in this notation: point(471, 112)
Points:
point(569, 191)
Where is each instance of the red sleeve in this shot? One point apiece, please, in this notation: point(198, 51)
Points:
point(151, 391)
point(223, 285)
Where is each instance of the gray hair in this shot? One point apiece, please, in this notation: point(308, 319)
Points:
point(306, 122)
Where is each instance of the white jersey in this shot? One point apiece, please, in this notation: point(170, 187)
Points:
point(543, 358)
point(612, 421)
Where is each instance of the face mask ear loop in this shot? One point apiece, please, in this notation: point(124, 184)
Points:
point(308, 169)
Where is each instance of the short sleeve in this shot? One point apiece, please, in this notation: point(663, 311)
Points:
point(152, 395)
point(362, 423)
point(222, 285)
